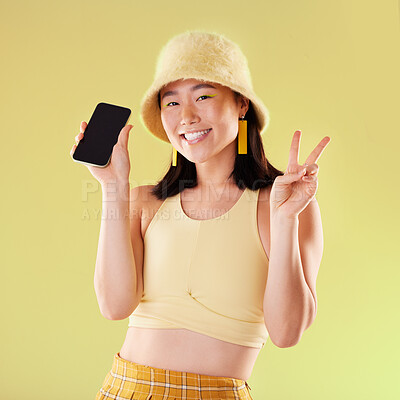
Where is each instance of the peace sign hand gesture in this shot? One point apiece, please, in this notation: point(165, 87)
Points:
point(293, 191)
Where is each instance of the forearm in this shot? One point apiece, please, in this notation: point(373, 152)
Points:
point(289, 305)
point(115, 272)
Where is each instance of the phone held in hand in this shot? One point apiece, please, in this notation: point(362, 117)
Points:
point(101, 134)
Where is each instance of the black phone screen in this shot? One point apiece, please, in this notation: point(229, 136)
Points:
point(101, 134)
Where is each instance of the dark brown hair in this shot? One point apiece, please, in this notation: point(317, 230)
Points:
point(252, 170)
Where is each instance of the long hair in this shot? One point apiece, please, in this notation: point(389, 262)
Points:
point(251, 170)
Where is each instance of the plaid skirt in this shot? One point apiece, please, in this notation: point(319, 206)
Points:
point(129, 380)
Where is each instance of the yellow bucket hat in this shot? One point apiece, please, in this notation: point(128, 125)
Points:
point(204, 56)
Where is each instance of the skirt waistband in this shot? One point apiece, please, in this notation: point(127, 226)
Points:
point(132, 370)
point(129, 380)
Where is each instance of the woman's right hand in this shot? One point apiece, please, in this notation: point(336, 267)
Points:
point(119, 166)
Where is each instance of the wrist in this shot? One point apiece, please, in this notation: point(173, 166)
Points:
point(282, 216)
point(116, 190)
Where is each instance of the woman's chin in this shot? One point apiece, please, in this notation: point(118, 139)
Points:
point(196, 159)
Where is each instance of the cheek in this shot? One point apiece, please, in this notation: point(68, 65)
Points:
point(163, 119)
point(229, 122)
point(166, 121)
point(169, 125)
point(219, 116)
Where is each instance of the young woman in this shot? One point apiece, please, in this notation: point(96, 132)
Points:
point(223, 252)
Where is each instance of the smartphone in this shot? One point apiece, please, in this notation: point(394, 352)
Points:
point(101, 134)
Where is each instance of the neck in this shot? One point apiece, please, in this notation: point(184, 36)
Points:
point(213, 175)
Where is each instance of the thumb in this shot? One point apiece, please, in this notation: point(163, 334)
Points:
point(293, 176)
point(124, 135)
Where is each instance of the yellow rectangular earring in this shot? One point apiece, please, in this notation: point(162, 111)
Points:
point(174, 156)
point(242, 136)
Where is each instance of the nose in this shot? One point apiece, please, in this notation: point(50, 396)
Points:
point(188, 115)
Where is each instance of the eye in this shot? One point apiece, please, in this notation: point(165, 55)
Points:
point(205, 95)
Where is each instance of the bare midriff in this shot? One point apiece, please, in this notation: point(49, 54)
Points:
point(188, 351)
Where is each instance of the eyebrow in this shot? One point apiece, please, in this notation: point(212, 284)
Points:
point(193, 88)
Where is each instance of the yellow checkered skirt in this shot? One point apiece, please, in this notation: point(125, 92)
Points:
point(129, 380)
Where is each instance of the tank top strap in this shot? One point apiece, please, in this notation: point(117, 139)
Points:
point(246, 210)
point(248, 196)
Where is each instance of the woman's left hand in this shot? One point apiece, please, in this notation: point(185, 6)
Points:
point(293, 191)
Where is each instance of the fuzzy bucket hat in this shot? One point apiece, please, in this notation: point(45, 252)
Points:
point(204, 56)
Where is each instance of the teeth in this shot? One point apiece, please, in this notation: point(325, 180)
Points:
point(191, 136)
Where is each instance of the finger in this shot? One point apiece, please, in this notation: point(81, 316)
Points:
point(294, 149)
point(311, 173)
point(124, 134)
point(291, 176)
point(128, 131)
point(78, 137)
point(316, 153)
point(83, 126)
point(309, 178)
point(296, 169)
point(311, 169)
point(72, 150)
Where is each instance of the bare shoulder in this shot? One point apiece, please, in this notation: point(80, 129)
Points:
point(143, 197)
point(148, 199)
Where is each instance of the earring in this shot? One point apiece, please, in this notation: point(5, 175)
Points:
point(242, 136)
point(174, 156)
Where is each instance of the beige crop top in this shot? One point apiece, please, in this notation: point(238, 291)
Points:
point(207, 276)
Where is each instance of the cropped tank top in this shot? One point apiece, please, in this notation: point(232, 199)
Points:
point(207, 276)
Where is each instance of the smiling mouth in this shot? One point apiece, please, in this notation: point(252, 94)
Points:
point(195, 137)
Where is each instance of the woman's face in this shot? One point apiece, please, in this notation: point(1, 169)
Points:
point(188, 107)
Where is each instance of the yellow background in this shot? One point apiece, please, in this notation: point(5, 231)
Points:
point(325, 67)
